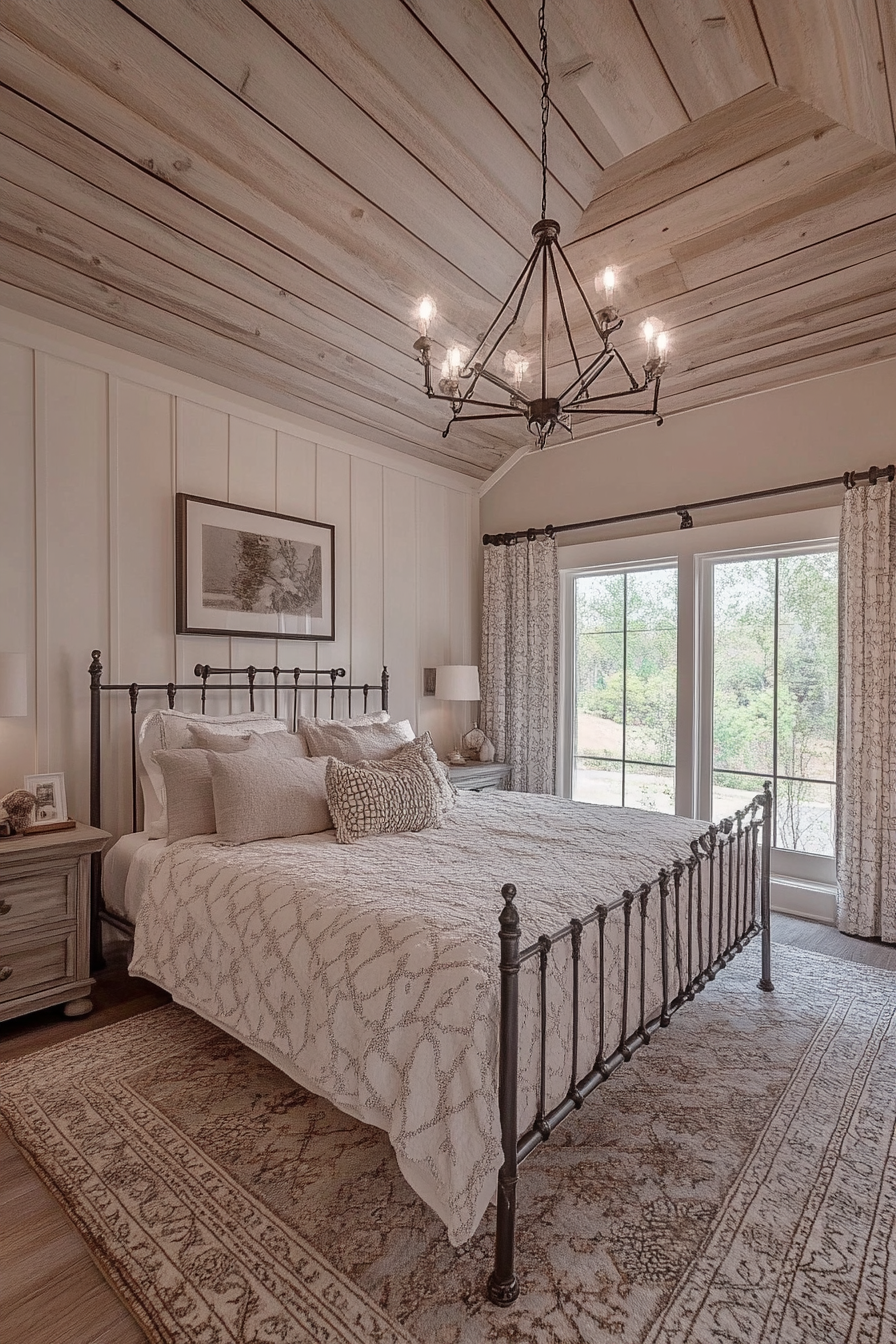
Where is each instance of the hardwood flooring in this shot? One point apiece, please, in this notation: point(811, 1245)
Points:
point(51, 1292)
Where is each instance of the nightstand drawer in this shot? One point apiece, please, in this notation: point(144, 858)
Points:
point(37, 896)
point(26, 967)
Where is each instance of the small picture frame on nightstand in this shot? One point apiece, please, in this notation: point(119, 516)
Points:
point(50, 808)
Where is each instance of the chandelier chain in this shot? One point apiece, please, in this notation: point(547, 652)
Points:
point(545, 107)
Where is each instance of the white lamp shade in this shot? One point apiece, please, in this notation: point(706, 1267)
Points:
point(13, 686)
point(457, 682)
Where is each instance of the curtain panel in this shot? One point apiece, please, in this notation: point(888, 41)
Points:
point(866, 733)
point(520, 659)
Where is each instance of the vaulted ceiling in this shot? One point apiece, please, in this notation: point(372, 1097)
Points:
point(268, 186)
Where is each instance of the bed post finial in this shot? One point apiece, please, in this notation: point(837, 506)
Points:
point(503, 1284)
point(765, 887)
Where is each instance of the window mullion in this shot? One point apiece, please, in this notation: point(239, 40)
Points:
point(775, 698)
point(624, 676)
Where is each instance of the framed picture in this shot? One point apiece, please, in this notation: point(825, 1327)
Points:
point(49, 790)
point(253, 573)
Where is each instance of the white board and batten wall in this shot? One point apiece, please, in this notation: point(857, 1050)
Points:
point(95, 444)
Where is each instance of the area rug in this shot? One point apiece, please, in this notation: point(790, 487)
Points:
point(736, 1182)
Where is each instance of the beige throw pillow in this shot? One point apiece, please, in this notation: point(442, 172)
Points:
point(372, 799)
point(364, 742)
point(188, 790)
point(260, 797)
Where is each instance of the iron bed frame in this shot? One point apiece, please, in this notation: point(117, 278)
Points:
point(719, 898)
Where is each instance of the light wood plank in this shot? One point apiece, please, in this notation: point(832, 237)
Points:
point(41, 275)
point(803, 172)
point(749, 128)
point(262, 274)
point(831, 54)
point(36, 223)
point(501, 58)
point(886, 17)
point(607, 82)
point(484, 236)
point(859, 196)
point(159, 110)
point(711, 50)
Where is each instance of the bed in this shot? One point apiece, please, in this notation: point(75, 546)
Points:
point(369, 972)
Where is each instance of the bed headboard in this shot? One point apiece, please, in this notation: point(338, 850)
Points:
point(284, 688)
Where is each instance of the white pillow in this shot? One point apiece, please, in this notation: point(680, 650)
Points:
point(169, 730)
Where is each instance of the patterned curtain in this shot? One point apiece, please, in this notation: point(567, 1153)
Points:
point(866, 735)
point(520, 659)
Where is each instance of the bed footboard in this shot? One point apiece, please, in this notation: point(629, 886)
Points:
point(704, 911)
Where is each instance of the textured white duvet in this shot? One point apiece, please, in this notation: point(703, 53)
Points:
point(369, 972)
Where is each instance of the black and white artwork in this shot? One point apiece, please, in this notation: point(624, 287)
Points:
point(49, 790)
point(249, 572)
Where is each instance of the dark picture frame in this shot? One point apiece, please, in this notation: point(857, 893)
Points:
point(253, 573)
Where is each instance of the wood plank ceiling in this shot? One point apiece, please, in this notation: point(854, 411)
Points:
point(267, 187)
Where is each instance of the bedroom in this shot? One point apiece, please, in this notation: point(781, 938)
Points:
point(217, 223)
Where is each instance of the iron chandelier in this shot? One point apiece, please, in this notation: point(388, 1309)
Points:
point(492, 363)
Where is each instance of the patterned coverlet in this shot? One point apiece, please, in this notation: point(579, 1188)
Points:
point(369, 972)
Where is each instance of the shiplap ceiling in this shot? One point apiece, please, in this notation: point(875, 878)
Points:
point(268, 186)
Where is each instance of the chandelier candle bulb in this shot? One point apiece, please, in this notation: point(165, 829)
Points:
point(426, 311)
point(608, 280)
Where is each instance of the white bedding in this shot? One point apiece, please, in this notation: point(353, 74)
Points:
point(125, 868)
point(369, 972)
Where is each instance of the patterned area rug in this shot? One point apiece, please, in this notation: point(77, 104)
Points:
point(736, 1182)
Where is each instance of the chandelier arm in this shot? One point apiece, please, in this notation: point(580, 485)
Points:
point(582, 294)
point(474, 401)
point(575, 353)
point(592, 372)
point(612, 396)
point(499, 382)
point(501, 415)
point(525, 275)
point(611, 410)
point(633, 380)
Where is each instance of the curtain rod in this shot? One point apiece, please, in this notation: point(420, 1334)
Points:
point(848, 480)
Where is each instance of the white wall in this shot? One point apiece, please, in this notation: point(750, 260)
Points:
point(806, 431)
point(95, 443)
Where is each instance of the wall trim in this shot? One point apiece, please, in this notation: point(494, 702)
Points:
point(44, 325)
point(806, 900)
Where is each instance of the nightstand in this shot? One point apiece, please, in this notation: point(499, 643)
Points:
point(45, 921)
point(480, 776)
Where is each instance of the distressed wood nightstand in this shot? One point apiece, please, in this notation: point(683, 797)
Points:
point(480, 776)
point(45, 921)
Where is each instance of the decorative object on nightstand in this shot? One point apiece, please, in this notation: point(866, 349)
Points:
point(50, 808)
point(45, 921)
point(19, 808)
point(487, 751)
point(479, 776)
point(458, 681)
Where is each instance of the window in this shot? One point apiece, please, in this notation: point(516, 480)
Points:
point(625, 669)
point(774, 689)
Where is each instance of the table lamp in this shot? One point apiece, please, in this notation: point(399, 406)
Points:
point(457, 681)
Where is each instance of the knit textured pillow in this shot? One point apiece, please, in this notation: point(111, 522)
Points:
point(373, 800)
point(422, 749)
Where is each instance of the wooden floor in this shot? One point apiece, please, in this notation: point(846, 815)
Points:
point(50, 1290)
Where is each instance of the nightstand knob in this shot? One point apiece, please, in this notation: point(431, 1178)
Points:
point(5, 972)
point(5, 907)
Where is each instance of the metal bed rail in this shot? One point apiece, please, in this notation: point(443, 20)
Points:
point(719, 899)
